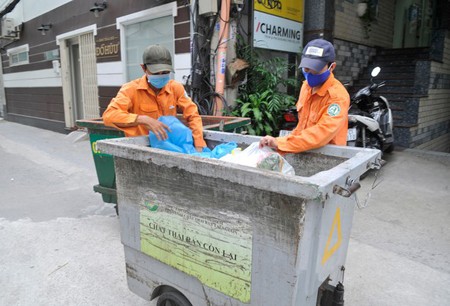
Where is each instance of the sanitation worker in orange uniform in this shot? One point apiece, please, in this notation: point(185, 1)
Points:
point(322, 106)
point(139, 103)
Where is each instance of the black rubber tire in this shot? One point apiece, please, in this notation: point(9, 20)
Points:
point(173, 298)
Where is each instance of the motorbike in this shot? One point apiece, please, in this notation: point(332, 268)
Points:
point(370, 121)
point(289, 121)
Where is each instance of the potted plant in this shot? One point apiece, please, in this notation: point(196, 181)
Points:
point(260, 98)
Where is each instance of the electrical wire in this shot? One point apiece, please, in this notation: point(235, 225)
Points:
point(9, 8)
point(239, 19)
point(222, 34)
point(202, 53)
point(207, 103)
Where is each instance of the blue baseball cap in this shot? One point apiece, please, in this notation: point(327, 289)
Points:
point(317, 54)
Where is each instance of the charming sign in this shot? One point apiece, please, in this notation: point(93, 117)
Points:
point(275, 33)
point(288, 9)
point(278, 25)
point(215, 247)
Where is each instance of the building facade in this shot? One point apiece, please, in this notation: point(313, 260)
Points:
point(410, 41)
point(66, 63)
point(73, 71)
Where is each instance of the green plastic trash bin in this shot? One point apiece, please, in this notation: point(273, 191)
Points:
point(104, 163)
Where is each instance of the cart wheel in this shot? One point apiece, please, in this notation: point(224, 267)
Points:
point(172, 298)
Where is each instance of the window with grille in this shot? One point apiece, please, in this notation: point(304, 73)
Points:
point(18, 55)
point(141, 34)
point(144, 28)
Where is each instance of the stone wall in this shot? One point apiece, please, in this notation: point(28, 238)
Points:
point(351, 59)
point(348, 26)
point(353, 48)
point(428, 124)
point(433, 130)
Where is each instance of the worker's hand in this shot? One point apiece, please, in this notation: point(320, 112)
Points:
point(268, 141)
point(155, 126)
point(199, 149)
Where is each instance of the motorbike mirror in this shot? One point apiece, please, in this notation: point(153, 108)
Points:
point(375, 71)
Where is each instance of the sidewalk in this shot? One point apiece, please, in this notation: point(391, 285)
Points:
point(60, 244)
point(400, 246)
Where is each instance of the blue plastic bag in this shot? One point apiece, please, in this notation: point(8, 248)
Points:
point(179, 138)
point(206, 153)
point(219, 151)
point(223, 149)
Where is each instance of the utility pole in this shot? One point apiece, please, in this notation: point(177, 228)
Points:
point(222, 54)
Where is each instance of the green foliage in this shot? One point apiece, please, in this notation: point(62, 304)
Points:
point(262, 97)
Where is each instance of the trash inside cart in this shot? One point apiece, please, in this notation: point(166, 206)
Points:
point(200, 231)
point(104, 163)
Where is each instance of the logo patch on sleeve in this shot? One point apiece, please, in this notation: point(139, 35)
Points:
point(334, 110)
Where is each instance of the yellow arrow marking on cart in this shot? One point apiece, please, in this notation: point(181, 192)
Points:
point(336, 224)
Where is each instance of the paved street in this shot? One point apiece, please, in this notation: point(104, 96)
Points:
point(60, 244)
point(398, 254)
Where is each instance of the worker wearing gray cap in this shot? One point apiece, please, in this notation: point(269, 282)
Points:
point(138, 104)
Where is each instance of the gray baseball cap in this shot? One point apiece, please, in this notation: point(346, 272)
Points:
point(316, 54)
point(157, 58)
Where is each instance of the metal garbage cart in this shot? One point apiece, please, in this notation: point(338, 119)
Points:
point(104, 163)
point(200, 231)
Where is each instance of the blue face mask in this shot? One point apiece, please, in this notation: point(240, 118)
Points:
point(316, 79)
point(158, 80)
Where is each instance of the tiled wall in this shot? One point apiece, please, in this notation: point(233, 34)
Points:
point(348, 25)
point(351, 59)
point(433, 130)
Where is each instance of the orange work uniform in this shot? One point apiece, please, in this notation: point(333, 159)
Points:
point(323, 118)
point(137, 98)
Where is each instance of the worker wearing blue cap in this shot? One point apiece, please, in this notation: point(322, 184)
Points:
point(322, 105)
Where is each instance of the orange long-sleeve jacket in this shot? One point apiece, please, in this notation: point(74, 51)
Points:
point(323, 118)
point(137, 98)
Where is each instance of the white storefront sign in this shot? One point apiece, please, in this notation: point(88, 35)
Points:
point(275, 33)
